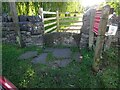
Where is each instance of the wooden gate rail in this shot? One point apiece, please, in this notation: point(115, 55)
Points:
point(55, 22)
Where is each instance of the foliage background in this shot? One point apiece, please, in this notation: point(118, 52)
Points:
point(114, 4)
point(31, 8)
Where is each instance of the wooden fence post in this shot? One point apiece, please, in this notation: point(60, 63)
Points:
point(40, 11)
point(15, 20)
point(0, 19)
point(41, 14)
point(0, 8)
point(1, 37)
point(57, 13)
point(91, 34)
point(101, 37)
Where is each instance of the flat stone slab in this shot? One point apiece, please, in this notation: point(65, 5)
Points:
point(29, 54)
point(62, 53)
point(49, 49)
point(76, 57)
point(60, 63)
point(40, 59)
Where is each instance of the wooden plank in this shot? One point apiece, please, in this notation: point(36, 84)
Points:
point(71, 25)
point(57, 16)
point(49, 24)
point(100, 39)
point(66, 21)
point(15, 20)
point(46, 19)
point(71, 17)
point(69, 29)
point(46, 12)
point(50, 29)
point(91, 34)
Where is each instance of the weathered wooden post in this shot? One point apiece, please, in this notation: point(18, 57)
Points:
point(57, 16)
point(15, 20)
point(1, 37)
point(41, 15)
point(0, 20)
point(0, 8)
point(91, 34)
point(100, 37)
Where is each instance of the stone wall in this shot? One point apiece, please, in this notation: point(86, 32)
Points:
point(61, 38)
point(31, 28)
point(32, 32)
point(85, 29)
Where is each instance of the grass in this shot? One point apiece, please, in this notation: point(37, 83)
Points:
point(50, 57)
point(24, 74)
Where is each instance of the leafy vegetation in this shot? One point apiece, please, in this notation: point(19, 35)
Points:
point(31, 8)
point(24, 74)
point(110, 73)
point(115, 5)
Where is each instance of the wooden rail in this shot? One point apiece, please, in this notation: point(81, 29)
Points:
point(69, 29)
point(73, 21)
point(52, 18)
point(71, 25)
point(49, 24)
point(50, 29)
point(71, 17)
point(47, 12)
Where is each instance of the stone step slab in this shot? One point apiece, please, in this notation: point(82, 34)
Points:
point(28, 55)
point(60, 63)
point(62, 53)
point(40, 59)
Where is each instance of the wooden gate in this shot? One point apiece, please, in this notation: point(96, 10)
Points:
point(60, 22)
point(72, 22)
